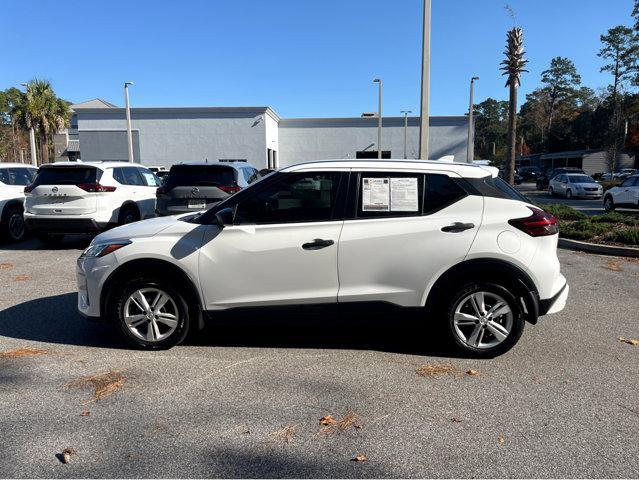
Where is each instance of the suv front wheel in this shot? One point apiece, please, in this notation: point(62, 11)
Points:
point(151, 314)
point(484, 319)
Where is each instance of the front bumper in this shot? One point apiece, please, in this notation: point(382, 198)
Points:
point(67, 224)
point(91, 273)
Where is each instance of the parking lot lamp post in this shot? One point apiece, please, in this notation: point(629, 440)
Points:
point(128, 120)
point(405, 112)
point(470, 153)
point(379, 119)
point(425, 90)
point(32, 144)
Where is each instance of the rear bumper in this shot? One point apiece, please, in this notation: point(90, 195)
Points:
point(162, 209)
point(39, 224)
point(556, 303)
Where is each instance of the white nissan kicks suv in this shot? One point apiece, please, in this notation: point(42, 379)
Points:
point(77, 197)
point(450, 238)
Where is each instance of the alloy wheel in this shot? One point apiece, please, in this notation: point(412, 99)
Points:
point(151, 314)
point(483, 320)
point(16, 226)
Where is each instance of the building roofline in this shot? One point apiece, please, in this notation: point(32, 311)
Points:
point(259, 109)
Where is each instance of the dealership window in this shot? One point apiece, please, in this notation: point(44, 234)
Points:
point(295, 197)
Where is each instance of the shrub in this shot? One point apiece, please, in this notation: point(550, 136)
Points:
point(583, 229)
point(615, 217)
point(564, 212)
point(629, 236)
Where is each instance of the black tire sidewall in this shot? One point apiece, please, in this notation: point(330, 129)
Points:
point(117, 309)
point(568, 194)
point(125, 211)
point(515, 333)
point(6, 230)
point(612, 203)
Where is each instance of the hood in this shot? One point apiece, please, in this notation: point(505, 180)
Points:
point(143, 228)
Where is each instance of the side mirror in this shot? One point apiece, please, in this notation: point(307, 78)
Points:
point(224, 217)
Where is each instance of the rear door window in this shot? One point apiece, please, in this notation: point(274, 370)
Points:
point(200, 175)
point(150, 180)
point(441, 192)
point(132, 176)
point(67, 175)
point(17, 176)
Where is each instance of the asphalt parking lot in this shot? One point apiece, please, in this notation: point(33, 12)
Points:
point(245, 401)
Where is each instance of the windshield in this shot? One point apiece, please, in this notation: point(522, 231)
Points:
point(67, 175)
point(581, 179)
point(200, 175)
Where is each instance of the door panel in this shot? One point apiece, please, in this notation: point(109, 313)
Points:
point(266, 265)
point(393, 259)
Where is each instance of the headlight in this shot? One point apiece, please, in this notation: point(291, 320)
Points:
point(102, 249)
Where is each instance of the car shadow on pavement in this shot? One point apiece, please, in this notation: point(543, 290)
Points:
point(55, 320)
point(70, 242)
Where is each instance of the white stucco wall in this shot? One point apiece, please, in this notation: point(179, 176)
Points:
point(316, 139)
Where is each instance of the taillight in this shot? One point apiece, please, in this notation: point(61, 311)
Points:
point(95, 187)
point(229, 188)
point(29, 188)
point(539, 224)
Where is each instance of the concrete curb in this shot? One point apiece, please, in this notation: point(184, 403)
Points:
point(599, 249)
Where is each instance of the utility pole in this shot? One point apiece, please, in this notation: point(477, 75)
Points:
point(425, 92)
point(32, 143)
point(470, 151)
point(128, 120)
point(405, 112)
point(379, 119)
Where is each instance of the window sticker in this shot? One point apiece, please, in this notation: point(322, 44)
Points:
point(150, 179)
point(375, 195)
point(404, 195)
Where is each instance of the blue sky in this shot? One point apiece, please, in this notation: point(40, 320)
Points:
point(305, 58)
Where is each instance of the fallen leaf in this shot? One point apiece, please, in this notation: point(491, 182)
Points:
point(66, 454)
point(284, 435)
point(614, 266)
point(472, 373)
point(360, 457)
point(22, 352)
point(501, 440)
point(6, 266)
point(629, 341)
point(327, 420)
point(85, 414)
point(455, 420)
point(433, 370)
point(21, 278)
point(103, 384)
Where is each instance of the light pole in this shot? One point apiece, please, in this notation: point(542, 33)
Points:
point(470, 151)
point(128, 120)
point(425, 92)
point(405, 112)
point(34, 156)
point(379, 119)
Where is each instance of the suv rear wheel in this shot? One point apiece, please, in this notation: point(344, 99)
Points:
point(128, 214)
point(13, 228)
point(151, 314)
point(484, 319)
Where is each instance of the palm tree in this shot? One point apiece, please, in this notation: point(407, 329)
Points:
point(44, 111)
point(513, 66)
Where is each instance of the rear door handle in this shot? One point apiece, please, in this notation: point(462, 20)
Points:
point(458, 227)
point(317, 244)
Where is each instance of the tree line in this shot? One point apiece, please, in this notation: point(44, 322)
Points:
point(562, 114)
point(38, 108)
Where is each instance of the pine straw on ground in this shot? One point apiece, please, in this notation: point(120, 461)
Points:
point(284, 435)
point(103, 384)
point(23, 352)
point(433, 370)
point(330, 425)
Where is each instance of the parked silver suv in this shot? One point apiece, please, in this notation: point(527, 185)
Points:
point(196, 186)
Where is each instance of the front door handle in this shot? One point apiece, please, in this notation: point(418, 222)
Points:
point(458, 227)
point(317, 244)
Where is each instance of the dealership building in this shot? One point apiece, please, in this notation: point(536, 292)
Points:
point(258, 135)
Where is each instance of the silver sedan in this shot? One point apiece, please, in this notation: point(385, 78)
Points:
point(573, 185)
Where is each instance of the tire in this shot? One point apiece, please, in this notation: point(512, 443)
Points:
point(540, 187)
point(128, 214)
point(568, 194)
point(481, 335)
point(150, 330)
point(50, 238)
point(609, 204)
point(551, 192)
point(13, 227)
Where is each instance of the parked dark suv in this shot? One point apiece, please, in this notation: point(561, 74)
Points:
point(190, 187)
point(544, 180)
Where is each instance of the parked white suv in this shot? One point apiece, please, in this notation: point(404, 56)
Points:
point(624, 195)
point(13, 178)
point(76, 197)
point(452, 238)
